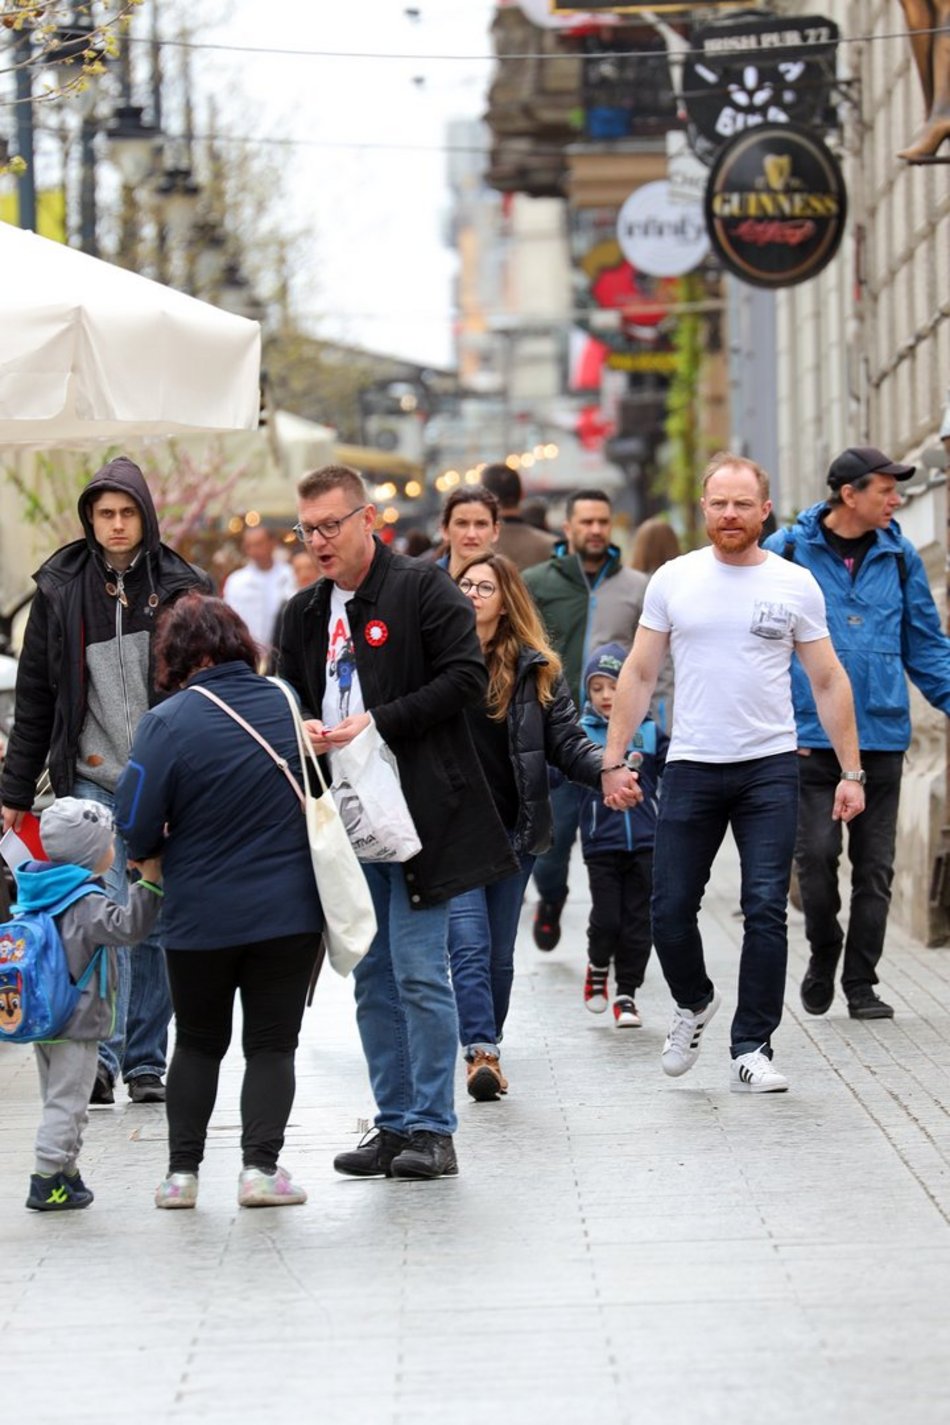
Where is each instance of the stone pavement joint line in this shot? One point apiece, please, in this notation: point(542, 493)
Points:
point(619, 1247)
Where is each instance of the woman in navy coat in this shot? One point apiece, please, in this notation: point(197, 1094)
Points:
point(241, 913)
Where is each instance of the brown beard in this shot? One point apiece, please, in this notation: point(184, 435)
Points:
point(734, 545)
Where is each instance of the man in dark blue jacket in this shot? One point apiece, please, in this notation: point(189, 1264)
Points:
point(418, 666)
point(883, 624)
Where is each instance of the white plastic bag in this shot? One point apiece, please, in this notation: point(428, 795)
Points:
point(369, 798)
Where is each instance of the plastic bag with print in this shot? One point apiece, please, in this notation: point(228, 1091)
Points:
point(370, 801)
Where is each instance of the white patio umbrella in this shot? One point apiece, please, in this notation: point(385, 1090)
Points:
point(93, 353)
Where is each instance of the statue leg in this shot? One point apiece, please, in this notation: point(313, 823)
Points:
point(936, 129)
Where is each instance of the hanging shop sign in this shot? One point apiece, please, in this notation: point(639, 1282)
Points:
point(659, 234)
point(768, 70)
point(776, 205)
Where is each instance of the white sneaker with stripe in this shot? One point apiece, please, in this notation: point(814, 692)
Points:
point(755, 1073)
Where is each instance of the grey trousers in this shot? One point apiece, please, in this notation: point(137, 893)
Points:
point(67, 1069)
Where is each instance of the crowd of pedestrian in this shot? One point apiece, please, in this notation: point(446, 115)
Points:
point(523, 683)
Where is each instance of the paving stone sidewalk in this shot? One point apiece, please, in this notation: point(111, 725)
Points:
point(619, 1247)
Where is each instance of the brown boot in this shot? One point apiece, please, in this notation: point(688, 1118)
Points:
point(485, 1079)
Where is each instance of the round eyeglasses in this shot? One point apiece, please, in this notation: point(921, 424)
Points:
point(483, 588)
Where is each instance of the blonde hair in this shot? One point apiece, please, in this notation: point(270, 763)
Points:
point(519, 627)
point(726, 457)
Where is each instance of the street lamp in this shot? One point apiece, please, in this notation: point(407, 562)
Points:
point(132, 144)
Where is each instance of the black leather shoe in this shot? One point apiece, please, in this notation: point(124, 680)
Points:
point(865, 1004)
point(146, 1088)
point(429, 1155)
point(547, 925)
point(818, 991)
point(374, 1155)
point(102, 1089)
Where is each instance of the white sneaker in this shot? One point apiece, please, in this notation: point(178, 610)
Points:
point(755, 1073)
point(681, 1049)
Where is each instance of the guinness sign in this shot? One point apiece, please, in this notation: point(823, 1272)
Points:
point(776, 205)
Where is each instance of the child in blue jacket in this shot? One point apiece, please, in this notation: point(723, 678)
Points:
point(618, 853)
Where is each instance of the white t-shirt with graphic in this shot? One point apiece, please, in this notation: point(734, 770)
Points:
point(732, 631)
point(342, 694)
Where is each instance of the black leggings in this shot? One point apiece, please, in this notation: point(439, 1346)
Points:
point(272, 978)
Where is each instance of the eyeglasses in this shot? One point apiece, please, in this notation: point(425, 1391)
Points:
point(483, 588)
point(329, 529)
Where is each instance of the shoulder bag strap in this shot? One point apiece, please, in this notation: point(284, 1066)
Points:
point(253, 732)
point(304, 745)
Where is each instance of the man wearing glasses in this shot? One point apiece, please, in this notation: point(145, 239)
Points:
point(405, 637)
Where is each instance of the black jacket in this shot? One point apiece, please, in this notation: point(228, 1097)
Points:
point(419, 665)
point(72, 609)
point(539, 736)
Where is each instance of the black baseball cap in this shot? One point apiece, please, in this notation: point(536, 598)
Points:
point(859, 460)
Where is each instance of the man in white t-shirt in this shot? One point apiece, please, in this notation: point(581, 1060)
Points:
point(731, 615)
point(260, 588)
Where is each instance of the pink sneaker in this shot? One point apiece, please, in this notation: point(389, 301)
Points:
point(259, 1189)
point(178, 1190)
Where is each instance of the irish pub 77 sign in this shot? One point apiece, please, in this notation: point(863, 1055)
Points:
point(776, 205)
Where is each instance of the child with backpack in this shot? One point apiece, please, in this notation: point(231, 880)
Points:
point(618, 852)
point(57, 942)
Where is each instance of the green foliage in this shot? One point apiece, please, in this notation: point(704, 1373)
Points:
point(681, 476)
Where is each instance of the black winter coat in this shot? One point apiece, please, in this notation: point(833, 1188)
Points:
point(542, 736)
point(51, 674)
point(419, 666)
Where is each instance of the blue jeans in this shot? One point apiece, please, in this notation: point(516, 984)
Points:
point(483, 926)
point(550, 870)
point(143, 1003)
point(405, 1010)
point(759, 799)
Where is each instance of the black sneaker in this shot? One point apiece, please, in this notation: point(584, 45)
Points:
point(102, 1091)
point(374, 1155)
point(58, 1193)
point(863, 1003)
point(146, 1088)
point(818, 990)
point(547, 924)
point(429, 1155)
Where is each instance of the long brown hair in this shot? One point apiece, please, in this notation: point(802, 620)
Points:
point(519, 627)
point(654, 543)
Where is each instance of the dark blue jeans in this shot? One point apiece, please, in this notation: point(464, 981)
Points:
point(483, 927)
point(871, 838)
point(759, 800)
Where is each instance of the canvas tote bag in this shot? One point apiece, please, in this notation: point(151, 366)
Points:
point(348, 914)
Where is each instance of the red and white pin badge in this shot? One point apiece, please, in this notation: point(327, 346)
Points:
point(376, 633)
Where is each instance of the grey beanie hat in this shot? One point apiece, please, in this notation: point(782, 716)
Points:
point(77, 831)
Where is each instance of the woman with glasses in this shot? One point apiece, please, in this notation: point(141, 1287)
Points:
point(241, 915)
point(527, 722)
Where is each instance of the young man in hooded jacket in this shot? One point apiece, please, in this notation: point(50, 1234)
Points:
point(84, 679)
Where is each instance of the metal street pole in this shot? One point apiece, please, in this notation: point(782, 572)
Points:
point(26, 182)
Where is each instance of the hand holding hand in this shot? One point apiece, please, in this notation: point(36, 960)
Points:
point(150, 869)
point(621, 789)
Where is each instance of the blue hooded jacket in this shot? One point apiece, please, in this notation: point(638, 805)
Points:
point(604, 830)
point(883, 624)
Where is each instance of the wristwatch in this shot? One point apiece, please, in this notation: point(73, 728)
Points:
point(854, 777)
